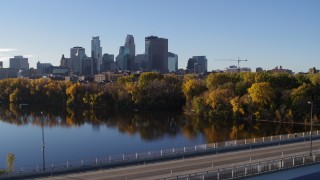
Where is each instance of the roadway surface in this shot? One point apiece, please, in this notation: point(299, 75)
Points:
point(172, 168)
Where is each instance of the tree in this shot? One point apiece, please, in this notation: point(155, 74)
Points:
point(192, 88)
point(215, 80)
point(126, 79)
point(261, 93)
point(148, 77)
point(10, 162)
point(219, 101)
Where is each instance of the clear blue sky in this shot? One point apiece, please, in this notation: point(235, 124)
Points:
point(268, 33)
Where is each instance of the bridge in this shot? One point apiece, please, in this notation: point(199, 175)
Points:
point(221, 160)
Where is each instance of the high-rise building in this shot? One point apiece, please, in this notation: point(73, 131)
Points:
point(108, 63)
point(19, 62)
point(96, 53)
point(197, 64)
point(87, 66)
point(76, 56)
point(156, 50)
point(172, 62)
point(120, 59)
point(130, 49)
point(1, 64)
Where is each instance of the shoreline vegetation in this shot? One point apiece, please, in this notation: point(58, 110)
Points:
point(245, 96)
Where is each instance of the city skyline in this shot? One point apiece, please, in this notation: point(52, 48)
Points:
point(267, 33)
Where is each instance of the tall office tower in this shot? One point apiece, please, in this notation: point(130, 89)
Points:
point(76, 56)
point(1, 64)
point(131, 51)
point(96, 54)
point(19, 62)
point(156, 50)
point(87, 66)
point(108, 62)
point(197, 64)
point(172, 62)
point(120, 59)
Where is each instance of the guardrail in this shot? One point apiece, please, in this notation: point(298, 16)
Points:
point(252, 169)
point(153, 156)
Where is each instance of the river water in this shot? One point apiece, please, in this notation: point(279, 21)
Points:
point(82, 134)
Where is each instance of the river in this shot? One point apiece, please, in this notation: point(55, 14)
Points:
point(81, 134)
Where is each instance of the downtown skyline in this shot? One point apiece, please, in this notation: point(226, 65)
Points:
point(267, 33)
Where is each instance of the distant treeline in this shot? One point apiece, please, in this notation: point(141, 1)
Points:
point(277, 96)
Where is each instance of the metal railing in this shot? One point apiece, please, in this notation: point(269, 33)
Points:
point(252, 169)
point(158, 155)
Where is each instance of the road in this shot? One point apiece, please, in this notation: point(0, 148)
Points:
point(171, 168)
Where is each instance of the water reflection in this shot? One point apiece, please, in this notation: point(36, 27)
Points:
point(149, 126)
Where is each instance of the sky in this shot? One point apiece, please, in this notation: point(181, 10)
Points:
point(268, 33)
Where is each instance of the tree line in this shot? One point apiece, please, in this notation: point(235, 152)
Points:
point(277, 96)
point(272, 96)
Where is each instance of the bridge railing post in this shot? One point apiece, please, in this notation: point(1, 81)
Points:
point(245, 171)
point(293, 161)
point(314, 157)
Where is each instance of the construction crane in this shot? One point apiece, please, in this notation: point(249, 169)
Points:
point(239, 60)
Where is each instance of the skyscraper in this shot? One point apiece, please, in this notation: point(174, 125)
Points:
point(120, 59)
point(96, 53)
point(172, 62)
point(130, 46)
point(76, 56)
point(19, 62)
point(156, 50)
point(108, 63)
point(87, 66)
point(1, 64)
